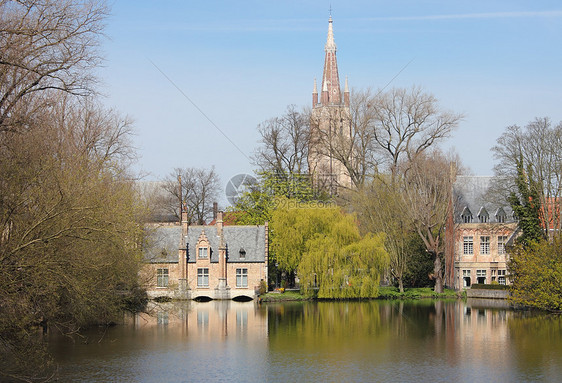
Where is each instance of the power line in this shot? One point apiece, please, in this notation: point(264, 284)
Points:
point(196, 107)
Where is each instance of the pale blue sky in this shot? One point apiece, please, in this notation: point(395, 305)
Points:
point(242, 62)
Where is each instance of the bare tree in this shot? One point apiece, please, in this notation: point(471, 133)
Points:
point(379, 131)
point(46, 45)
point(381, 208)
point(345, 137)
point(408, 122)
point(284, 143)
point(539, 146)
point(427, 189)
point(199, 190)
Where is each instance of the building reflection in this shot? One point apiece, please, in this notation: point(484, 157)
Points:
point(207, 320)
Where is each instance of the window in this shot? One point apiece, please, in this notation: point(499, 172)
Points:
point(466, 278)
point(501, 277)
point(242, 253)
point(483, 215)
point(162, 277)
point(481, 276)
point(468, 245)
point(500, 215)
point(502, 239)
point(466, 215)
point(241, 277)
point(485, 245)
point(203, 252)
point(203, 277)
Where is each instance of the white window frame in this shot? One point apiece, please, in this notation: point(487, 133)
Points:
point(162, 277)
point(203, 252)
point(242, 277)
point(485, 244)
point(502, 239)
point(468, 245)
point(480, 274)
point(203, 277)
point(501, 277)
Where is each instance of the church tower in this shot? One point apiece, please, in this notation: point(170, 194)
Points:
point(330, 125)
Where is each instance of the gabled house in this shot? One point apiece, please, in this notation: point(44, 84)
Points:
point(476, 245)
point(213, 261)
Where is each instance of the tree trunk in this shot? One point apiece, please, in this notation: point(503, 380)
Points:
point(401, 285)
point(438, 274)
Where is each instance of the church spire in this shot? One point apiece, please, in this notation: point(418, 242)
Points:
point(330, 79)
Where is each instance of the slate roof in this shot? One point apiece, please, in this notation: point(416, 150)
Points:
point(472, 192)
point(249, 238)
point(162, 244)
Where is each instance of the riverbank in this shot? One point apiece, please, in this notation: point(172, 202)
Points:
point(386, 293)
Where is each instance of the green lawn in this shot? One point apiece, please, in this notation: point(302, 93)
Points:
point(418, 293)
point(385, 293)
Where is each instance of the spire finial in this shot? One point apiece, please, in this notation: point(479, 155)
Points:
point(330, 43)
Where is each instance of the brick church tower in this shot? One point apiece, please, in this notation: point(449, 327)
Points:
point(330, 125)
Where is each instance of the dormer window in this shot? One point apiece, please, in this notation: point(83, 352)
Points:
point(466, 215)
point(483, 216)
point(203, 247)
point(203, 252)
point(500, 215)
point(242, 253)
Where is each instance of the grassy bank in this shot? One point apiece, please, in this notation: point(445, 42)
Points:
point(387, 293)
point(418, 293)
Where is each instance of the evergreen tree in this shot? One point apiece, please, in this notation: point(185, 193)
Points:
point(526, 205)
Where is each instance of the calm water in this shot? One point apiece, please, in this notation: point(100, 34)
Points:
point(377, 341)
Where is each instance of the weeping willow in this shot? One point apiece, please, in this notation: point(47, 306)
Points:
point(324, 246)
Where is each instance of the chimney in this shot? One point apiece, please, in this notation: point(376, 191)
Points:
point(215, 210)
point(219, 223)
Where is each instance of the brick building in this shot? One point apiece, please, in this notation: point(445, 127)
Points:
point(214, 261)
point(477, 234)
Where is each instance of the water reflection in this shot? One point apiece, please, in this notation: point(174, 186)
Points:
point(326, 341)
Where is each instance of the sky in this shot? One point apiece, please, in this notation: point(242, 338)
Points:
point(197, 77)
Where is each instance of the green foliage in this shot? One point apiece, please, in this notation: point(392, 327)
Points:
point(526, 205)
point(536, 275)
point(419, 264)
point(324, 246)
point(256, 206)
point(263, 287)
point(417, 293)
point(286, 296)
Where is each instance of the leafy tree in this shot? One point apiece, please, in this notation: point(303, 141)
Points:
point(526, 206)
point(256, 206)
point(535, 273)
point(325, 248)
point(70, 226)
point(70, 220)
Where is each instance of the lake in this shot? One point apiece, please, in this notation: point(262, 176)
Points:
point(371, 341)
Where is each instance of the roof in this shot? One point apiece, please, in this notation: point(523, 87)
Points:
point(250, 239)
point(162, 243)
point(473, 192)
